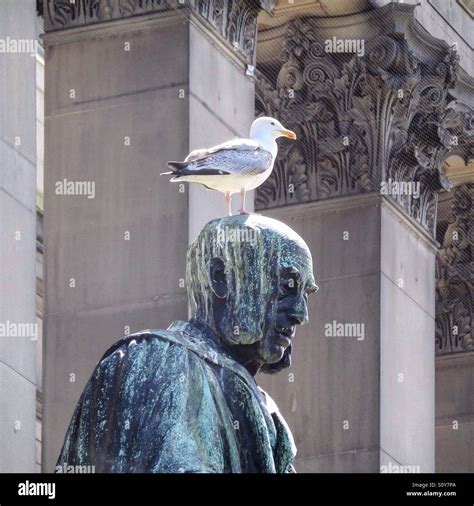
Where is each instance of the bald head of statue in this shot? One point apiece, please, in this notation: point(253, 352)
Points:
point(248, 280)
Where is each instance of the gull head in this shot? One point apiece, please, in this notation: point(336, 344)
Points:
point(269, 129)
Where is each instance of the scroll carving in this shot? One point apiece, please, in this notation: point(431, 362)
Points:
point(455, 277)
point(361, 120)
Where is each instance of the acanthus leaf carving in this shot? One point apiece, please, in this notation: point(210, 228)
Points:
point(364, 120)
point(455, 276)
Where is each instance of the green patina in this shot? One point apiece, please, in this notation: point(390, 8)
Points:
point(178, 400)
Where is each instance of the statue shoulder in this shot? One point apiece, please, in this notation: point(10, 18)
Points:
point(148, 349)
point(142, 339)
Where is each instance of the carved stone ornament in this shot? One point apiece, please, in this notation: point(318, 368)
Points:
point(362, 119)
point(455, 277)
point(234, 20)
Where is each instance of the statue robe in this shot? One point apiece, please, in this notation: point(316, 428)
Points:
point(172, 401)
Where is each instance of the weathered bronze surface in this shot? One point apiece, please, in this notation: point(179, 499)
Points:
point(185, 399)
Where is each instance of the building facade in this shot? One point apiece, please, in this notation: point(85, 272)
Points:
point(380, 184)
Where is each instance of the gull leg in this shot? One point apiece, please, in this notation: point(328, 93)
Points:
point(242, 199)
point(228, 199)
point(242, 209)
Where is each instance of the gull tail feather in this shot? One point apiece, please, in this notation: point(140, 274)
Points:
point(175, 168)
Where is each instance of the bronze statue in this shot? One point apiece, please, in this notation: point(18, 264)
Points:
point(185, 399)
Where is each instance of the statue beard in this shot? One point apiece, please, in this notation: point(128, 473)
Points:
point(283, 363)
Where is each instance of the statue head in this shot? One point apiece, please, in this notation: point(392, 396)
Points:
point(248, 279)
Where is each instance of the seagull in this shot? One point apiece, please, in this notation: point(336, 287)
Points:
point(238, 165)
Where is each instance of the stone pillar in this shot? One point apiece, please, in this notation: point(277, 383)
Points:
point(362, 400)
point(18, 235)
point(129, 86)
point(361, 187)
point(221, 107)
point(454, 334)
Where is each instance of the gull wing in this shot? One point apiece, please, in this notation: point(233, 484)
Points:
point(237, 157)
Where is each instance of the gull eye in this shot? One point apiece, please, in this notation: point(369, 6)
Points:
point(272, 123)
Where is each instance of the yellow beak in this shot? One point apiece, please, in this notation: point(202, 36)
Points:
point(288, 133)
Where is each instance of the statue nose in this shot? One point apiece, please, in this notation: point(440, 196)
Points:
point(300, 312)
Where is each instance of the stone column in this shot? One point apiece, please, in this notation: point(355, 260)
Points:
point(454, 334)
point(221, 97)
point(358, 398)
point(361, 187)
point(129, 85)
point(18, 236)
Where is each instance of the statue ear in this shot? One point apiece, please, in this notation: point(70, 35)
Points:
point(218, 278)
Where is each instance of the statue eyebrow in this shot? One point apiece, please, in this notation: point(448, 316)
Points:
point(291, 270)
point(312, 288)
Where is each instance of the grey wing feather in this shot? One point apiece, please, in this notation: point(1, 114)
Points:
point(249, 162)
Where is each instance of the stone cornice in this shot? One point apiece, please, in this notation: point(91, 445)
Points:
point(140, 24)
point(392, 18)
point(371, 199)
point(235, 21)
point(455, 360)
point(325, 206)
point(106, 29)
point(63, 14)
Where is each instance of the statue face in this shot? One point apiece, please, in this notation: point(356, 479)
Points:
point(289, 281)
point(287, 307)
point(249, 278)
